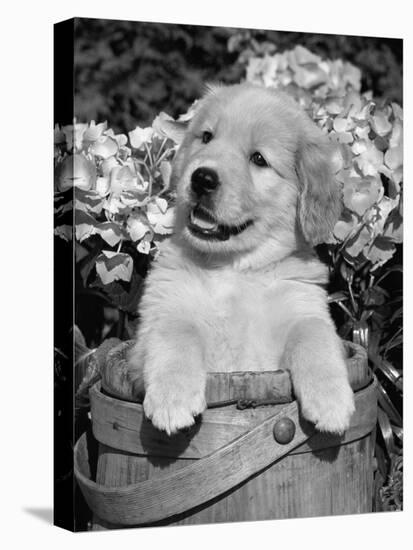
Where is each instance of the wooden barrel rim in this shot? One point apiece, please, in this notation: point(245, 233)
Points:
point(122, 425)
point(116, 384)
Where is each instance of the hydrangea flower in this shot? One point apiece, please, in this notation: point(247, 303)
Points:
point(117, 183)
point(160, 216)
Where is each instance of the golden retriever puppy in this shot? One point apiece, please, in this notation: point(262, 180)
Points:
point(238, 286)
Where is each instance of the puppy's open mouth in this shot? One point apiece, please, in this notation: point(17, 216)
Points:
point(203, 224)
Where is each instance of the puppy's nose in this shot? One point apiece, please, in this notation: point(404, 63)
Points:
point(204, 181)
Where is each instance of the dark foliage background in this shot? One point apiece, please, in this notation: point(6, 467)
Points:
point(126, 72)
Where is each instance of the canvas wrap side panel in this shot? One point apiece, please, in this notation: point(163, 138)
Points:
point(64, 437)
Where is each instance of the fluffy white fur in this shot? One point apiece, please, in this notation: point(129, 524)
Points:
point(255, 301)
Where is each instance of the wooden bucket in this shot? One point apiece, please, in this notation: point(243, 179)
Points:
point(257, 463)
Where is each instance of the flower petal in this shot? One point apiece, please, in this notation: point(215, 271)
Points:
point(139, 136)
point(104, 147)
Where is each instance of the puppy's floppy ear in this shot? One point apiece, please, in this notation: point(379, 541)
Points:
point(319, 205)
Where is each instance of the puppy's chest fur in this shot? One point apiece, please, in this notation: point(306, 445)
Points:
point(241, 329)
point(241, 319)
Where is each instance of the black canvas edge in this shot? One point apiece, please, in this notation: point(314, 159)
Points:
point(63, 404)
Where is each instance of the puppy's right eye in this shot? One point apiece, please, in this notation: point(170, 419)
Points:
point(257, 159)
point(206, 137)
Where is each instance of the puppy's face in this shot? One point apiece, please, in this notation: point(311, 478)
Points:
point(240, 173)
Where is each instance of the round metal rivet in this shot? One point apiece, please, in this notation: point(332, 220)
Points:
point(284, 431)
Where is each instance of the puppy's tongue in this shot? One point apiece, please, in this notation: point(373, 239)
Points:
point(204, 225)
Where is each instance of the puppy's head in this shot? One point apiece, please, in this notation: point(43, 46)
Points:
point(253, 170)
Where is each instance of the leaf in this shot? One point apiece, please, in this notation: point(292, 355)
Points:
point(374, 296)
point(88, 201)
point(394, 268)
point(394, 227)
point(356, 244)
point(398, 341)
point(379, 214)
point(88, 262)
point(134, 198)
point(387, 405)
point(65, 232)
point(386, 431)
point(380, 251)
point(85, 225)
point(114, 266)
point(137, 226)
point(338, 297)
point(124, 295)
point(398, 314)
point(380, 124)
point(110, 232)
point(63, 208)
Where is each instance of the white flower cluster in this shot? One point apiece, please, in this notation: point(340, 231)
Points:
point(119, 189)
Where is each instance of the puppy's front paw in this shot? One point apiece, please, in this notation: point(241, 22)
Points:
point(172, 409)
point(329, 405)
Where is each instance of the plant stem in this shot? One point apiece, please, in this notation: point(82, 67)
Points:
point(160, 149)
point(344, 308)
point(149, 153)
point(353, 302)
point(165, 154)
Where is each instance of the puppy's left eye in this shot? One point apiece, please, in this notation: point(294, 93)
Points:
point(258, 159)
